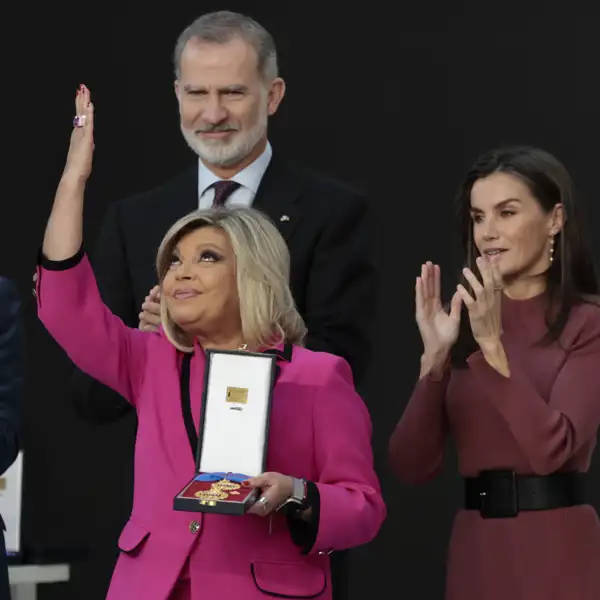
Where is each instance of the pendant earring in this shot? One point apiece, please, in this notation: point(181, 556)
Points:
point(551, 249)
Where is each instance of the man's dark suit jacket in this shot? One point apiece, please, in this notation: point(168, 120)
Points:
point(11, 396)
point(327, 228)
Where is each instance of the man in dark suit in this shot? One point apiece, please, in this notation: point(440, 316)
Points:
point(11, 397)
point(227, 85)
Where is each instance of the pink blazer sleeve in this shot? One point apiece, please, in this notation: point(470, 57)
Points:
point(351, 507)
point(98, 342)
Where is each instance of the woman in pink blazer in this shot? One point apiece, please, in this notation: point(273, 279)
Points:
point(223, 278)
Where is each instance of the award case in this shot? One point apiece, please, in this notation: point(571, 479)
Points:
point(234, 429)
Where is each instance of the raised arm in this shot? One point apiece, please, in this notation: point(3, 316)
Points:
point(416, 447)
point(69, 303)
point(351, 509)
point(94, 402)
point(417, 444)
point(64, 232)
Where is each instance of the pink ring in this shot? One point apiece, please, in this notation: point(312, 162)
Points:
point(79, 121)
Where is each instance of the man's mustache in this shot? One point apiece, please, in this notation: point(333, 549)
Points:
point(221, 127)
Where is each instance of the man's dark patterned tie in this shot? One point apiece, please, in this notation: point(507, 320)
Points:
point(223, 189)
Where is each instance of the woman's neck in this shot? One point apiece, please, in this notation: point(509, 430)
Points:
point(523, 289)
point(233, 341)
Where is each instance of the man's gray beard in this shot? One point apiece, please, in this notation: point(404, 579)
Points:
point(221, 154)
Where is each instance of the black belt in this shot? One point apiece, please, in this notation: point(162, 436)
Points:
point(503, 494)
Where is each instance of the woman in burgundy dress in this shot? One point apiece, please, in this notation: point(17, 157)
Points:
point(512, 372)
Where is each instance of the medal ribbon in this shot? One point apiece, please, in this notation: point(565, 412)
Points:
point(238, 477)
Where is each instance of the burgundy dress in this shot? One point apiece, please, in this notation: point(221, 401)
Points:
point(542, 419)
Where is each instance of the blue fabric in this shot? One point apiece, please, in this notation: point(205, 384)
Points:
point(239, 477)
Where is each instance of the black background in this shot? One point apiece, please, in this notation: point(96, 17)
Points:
point(397, 99)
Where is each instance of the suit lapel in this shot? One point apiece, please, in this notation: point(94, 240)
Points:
point(277, 197)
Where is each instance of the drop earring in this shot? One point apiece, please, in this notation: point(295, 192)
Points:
point(551, 249)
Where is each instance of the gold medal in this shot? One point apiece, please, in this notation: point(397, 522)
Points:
point(225, 484)
point(212, 494)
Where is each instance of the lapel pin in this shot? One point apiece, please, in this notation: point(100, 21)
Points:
point(284, 218)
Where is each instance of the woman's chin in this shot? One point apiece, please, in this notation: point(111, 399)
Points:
point(185, 320)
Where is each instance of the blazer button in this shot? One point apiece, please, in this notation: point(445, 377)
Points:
point(194, 527)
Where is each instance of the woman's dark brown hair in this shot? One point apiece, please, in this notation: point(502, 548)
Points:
point(572, 275)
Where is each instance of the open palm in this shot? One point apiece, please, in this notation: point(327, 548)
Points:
point(438, 328)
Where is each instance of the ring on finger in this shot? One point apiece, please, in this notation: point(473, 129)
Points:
point(265, 503)
point(79, 121)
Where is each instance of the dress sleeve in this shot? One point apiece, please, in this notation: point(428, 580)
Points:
point(549, 430)
point(416, 447)
point(99, 343)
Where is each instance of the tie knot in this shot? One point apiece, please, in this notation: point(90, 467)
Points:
point(224, 189)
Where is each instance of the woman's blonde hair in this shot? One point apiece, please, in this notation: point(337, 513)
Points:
point(262, 265)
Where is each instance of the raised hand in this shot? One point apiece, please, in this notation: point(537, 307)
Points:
point(64, 231)
point(438, 328)
point(484, 305)
point(81, 149)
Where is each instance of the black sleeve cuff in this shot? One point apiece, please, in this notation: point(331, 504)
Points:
point(60, 265)
point(304, 533)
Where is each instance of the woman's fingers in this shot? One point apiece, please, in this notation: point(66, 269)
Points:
point(83, 107)
point(496, 278)
point(430, 282)
point(78, 101)
point(437, 285)
point(455, 306)
point(89, 119)
point(424, 282)
point(419, 296)
point(475, 284)
point(467, 299)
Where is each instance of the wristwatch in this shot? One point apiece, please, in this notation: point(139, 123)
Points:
point(297, 501)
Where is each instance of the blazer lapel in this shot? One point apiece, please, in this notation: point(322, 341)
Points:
point(277, 197)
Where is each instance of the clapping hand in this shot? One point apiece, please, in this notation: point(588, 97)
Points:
point(438, 328)
point(484, 305)
point(81, 149)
